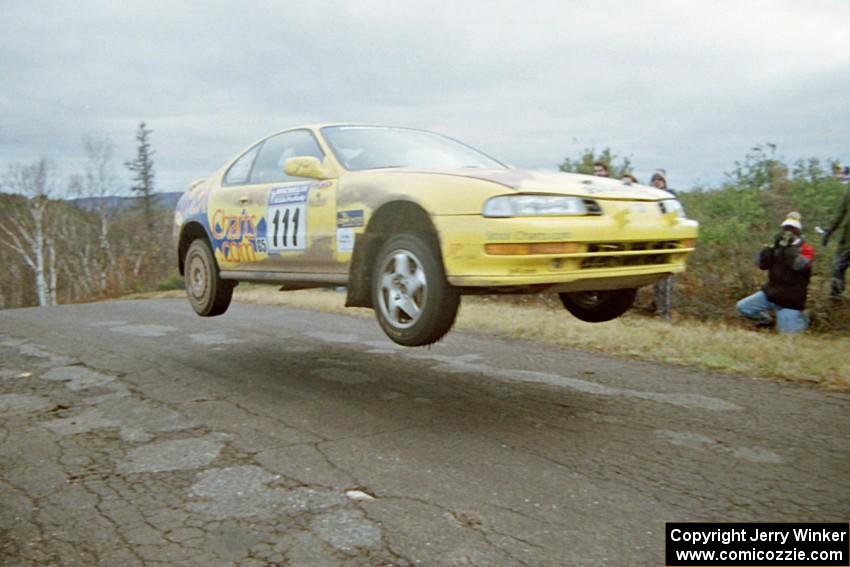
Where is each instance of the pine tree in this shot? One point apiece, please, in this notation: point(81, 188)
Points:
point(142, 167)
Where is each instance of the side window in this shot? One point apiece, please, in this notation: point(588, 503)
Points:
point(239, 171)
point(276, 150)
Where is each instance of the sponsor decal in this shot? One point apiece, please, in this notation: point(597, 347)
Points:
point(345, 240)
point(233, 227)
point(234, 236)
point(621, 218)
point(288, 195)
point(350, 219)
point(194, 201)
point(238, 251)
point(671, 218)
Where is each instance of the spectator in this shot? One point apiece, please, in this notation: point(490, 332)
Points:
point(842, 174)
point(629, 178)
point(659, 181)
point(600, 169)
point(789, 263)
point(662, 290)
point(841, 260)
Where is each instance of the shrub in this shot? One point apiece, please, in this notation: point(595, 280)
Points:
point(173, 281)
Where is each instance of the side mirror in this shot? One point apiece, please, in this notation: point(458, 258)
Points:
point(306, 166)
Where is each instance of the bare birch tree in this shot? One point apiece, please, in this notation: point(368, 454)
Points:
point(99, 182)
point(78, 259)
point(25, 229)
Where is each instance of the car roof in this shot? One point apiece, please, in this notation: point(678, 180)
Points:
point(320, 125)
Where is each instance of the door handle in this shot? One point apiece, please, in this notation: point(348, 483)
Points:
point(244, 199)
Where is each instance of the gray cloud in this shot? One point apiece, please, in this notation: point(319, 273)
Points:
point(687, 86)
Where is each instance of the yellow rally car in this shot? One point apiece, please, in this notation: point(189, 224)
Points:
point(409, 221)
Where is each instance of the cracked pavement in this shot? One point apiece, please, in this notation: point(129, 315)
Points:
point(136, 433)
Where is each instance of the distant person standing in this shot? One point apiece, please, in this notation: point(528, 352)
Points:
point(662, 290)
point(789, 263)
point(842, 174)
point(629, 178)
point(600, 169)
point(659, 181)
point(841, 260)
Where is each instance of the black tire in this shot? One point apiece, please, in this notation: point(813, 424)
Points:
point(598, 306)
point(414, 303)
point(208, 293)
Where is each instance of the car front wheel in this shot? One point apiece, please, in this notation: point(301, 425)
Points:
point(414, 303)
point(598, 306)
point(208, 293)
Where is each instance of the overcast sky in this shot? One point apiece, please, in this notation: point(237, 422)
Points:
point(688, 86)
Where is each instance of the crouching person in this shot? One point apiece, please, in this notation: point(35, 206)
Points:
point(788, 261)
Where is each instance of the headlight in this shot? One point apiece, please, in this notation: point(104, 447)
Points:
point(670, 206)
point(533, 205)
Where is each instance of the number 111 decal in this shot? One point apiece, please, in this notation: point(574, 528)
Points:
point(286, 219)
point(281, 228)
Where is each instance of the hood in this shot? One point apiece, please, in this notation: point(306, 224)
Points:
point(557, 183)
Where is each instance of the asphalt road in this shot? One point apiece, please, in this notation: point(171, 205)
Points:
point(135, 432)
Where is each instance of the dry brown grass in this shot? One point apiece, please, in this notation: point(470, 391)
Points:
point(816, 359)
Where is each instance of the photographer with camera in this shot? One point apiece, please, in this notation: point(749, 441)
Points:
point(789, 263)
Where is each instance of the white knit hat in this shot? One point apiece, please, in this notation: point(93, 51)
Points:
point(793, 219)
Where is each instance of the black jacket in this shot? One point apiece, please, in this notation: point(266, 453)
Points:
point(789, 270)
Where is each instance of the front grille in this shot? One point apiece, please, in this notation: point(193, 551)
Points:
point(633, 246)
point(618, 261)
point(644, 256)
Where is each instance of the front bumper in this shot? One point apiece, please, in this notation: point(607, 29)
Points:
point(631, 245)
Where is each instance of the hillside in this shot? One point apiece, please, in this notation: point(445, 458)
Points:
point(164, 200)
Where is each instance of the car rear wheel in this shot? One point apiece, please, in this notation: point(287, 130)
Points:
point(414, 303)
point(208, 293)
point(598, 306)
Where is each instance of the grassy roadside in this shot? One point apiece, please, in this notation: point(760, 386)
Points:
point(815, 359)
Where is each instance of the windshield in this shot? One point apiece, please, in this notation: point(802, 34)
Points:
point(372, 147)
